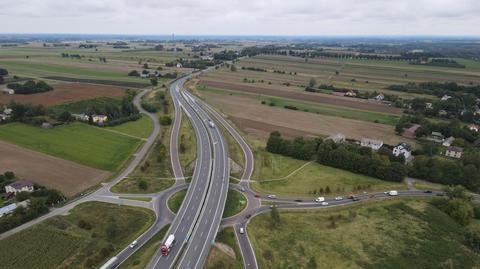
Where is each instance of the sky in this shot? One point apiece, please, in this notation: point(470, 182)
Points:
point(243, 17)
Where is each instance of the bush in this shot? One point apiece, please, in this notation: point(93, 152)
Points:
point(30, 87)
point(134, 73)
point(165, 120)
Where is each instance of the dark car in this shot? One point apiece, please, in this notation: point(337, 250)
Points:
point(248, 216)
point(354, 198)
point(298, 200)
point(257, 195)
point(428, 191)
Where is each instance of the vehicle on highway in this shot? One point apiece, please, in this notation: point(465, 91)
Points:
point(242, 230)
point(338, 198)
point(272, 206)
point(165, 248)
point(248, 216)
point(298, 200)
point(257, 195)
point(272, 196)
point(428, 191)
point(112, 263)
point(242, 189)
point(354, 198)
point(211, 124)
point(133, 244)
point(393, 193)
point(324, 203)
point(320, 199)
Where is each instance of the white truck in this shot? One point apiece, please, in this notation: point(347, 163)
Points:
point(393, 193)
point(112, 263)
point(165, 248)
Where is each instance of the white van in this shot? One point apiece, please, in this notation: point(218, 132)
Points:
point(242, 231)
point(393, 193)
point(320, 199)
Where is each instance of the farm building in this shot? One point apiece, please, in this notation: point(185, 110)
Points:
point(19, 186)
point(448, 142)
point(371, 143)
point(10, 208)
point(436, 137)
point(403, 149)
point(454, 152)
point(337, 138)
point(99, 119)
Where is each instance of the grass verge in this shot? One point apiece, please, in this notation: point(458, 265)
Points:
point(236, 202)
point(218, 259)
point(176, 200)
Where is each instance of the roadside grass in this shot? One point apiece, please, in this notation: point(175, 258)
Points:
point(217, 259)
point(329, 110)
point(425, 185)
point(235, 152)
point(407, 233)
point(236, 202)
point(175, 201)
point(76, 142)
point(142, 256)
point(137, 185)
point(142, 127)
point(187, 144)
point(59, 242)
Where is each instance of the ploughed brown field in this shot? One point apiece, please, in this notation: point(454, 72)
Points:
point(259, 120)
point(305, 96)
point(65, 92)
point(68, 177)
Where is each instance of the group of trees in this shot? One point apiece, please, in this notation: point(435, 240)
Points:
point(30, 87)
point(27, 113)
point(3, 72)
point(349, 157)
point(441, 62)
point(436, 88)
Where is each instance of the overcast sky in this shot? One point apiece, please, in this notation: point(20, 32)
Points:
point(242, 17)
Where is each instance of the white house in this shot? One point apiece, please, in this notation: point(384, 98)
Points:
point(371, 143)
point(445, 97)
point(380, 97)
point(428, 105)
point(337, 138)
point(7, 91)
point(99, 119)
point(454, 152)
point(448, 142)
point(473, 127)
point(81, 117)
point(179, 65)
point(403, 149)
point(19, 186)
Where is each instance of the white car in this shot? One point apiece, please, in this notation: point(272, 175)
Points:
point(271, 196)
point(338, 198)
point(320, 199)
point(242, 231)
point(133, 244)
point(393, 193)
point(324, 203)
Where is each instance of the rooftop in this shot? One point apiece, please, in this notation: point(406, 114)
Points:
point(21, 183)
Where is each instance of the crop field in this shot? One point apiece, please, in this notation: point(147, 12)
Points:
point(312, 107)
point(76, 142)
point(61, 242)
point(66, 176)
point(383, 234)
point(287, 177)
point(65, 92)
point(260, 120)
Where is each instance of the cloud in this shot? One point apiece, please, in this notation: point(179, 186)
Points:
point(264, 17)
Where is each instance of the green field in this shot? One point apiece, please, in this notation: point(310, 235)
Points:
point(217, 259)
point(382, 234)
point(235, 203)
point(59, 242)
point(329, 110)
point(274, 176)
point(175, 201)
point(76, 142)
point(141, 128)
point(141, 257)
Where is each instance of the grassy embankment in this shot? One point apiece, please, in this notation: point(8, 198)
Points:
point(217, 259)
point(154, 172)
point(382, 234)
point(86, 238)
point(141, 257)
point(76, 142)
point(187, 146)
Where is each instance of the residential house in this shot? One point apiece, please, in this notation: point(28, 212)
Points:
point(350, 94)
point(454, 152)
point(144, 75)
point(380, 97)
point(410, 132)
point(46, 125)
point(99, 119)
point(371, 143)
point(81, 117)
point(445, 97)
point(436, 137)
point(19, 186)
point(448, 142)
point(179, 65)
point(428, 105)
point(337, 138)
point(7, 91)
point(403, 149)
point(473, 127)
point(7, 111)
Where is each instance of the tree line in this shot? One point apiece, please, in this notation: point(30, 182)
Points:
point(30, 87)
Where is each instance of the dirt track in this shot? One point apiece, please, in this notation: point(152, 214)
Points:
point(65, 92)
point(68, 177)
point(311, 97)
